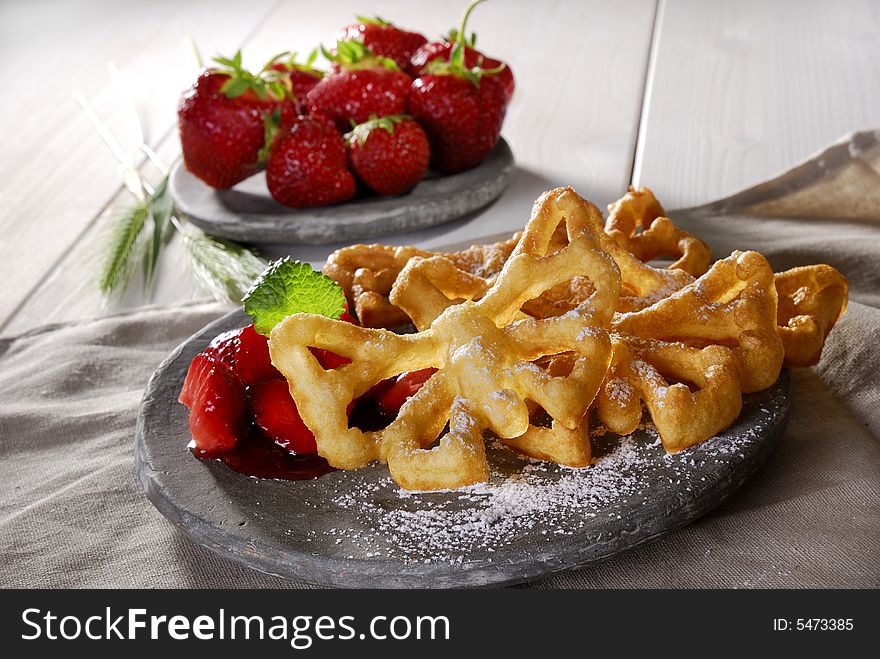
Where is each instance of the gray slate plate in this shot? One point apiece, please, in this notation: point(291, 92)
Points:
point(358, 529)
point(248, 213)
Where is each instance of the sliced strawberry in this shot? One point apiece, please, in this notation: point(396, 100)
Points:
point(392, 398)
point(216, 400)
point(224, 346)
point(329, 360)
point(252, 361)
point(275, 412)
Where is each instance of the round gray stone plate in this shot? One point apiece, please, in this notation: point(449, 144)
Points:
point(358, 529)
point(248, 213)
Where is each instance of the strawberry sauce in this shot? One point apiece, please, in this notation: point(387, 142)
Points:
point(242, 413)
point(253, 455)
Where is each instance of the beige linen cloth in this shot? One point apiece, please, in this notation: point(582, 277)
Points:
point(73, 514)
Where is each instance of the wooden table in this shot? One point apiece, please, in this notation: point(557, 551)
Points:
point(694, 99)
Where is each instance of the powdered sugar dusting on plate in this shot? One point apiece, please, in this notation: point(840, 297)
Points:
point(523, 499)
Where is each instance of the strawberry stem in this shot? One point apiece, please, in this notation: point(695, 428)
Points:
point(455, 65)
point(458, 51)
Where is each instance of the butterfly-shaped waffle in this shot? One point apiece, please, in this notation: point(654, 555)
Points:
point(636, 232)
point(489, 356)
point(687, 348)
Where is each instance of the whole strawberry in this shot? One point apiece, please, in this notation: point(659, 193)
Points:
point(390, 154)
point(360, 84)
point(308, 165)
point(299, 79)
point(461, 108)
point(224, 120)
point(441, 50)
point(384, 38)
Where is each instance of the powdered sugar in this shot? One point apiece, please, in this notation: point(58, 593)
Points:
point(528, 503)
point(523, 498)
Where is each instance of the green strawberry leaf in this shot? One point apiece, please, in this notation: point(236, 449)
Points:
point(235, 87)
point(388, 63)
point(351, 53)
point(361, 132)
point(268, 65)
point(288, 287)
point(372, 20)
point(225, 61)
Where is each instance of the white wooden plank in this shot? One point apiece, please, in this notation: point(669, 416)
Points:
point(573, 121)
point(56, 174)
point(741, 91)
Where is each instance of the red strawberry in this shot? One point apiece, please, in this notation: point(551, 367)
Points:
point(359, 85)
point(461, 108)
point(308, 165)
point(391, 398)
point(275, 412)
point(390, 154)
point(462, 117)
point(215, 397)
point(224, 119)
point(383, 38)
point(441, 50)
point(252, 361)
point(224, 346)
point(329, 360)
point(300, 79)
point(221, 137)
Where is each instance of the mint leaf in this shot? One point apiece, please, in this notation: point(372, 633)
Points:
point(288, 287)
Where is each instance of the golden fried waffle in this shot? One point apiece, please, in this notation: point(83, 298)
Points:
point(641, 283)
point(565, 317)
point(811, 299)
point(367, 272)
point(638, 224)
point(634, 234)
point(714, 340)
point(485, 352)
